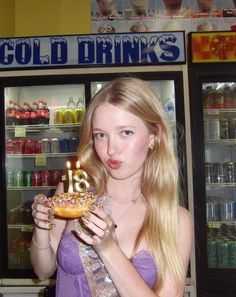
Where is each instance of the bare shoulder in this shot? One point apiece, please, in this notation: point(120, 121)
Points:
point(184, 216)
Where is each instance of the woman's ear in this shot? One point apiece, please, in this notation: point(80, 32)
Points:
point(156, 138)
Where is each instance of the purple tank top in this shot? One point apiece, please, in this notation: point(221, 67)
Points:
point(71, 279)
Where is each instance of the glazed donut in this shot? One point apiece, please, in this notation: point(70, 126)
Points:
point(71, 205)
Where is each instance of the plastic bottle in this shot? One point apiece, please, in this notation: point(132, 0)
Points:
point(26, 114)
point(69, 117)
point(47, 113)
point(33, 114)
point(10, 113)
point(40, 113)
point(18, 114)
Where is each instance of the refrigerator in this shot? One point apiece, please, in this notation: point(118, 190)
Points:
point(212, 80)
point(41, 113)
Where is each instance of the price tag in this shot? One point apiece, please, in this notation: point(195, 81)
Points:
point(20, 132)
point(41, 160)
point(215, 225)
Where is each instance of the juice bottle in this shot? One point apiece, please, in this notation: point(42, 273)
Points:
point(79, 111)
point(69, 117)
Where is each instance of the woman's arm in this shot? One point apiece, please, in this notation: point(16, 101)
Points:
point(125, 277)
point(46, 236)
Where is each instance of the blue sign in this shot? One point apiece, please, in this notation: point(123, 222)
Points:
point(150, 48)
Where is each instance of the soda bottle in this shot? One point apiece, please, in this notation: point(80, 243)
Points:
point(10, 113)
point(69, 117)
point(79, 110)
point(33, 114)
point(47, 112)
point(26, 114)
point(18, 114)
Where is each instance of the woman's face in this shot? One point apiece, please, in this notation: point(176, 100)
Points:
point(121, 140)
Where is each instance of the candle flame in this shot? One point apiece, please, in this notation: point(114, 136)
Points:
point(77, 164)
point(68, 165)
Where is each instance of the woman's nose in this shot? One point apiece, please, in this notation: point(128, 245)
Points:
point(113, 147)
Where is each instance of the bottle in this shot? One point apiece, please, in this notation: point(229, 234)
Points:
point(40, 112)
point(33, 114)
point(26, 114)
point(47, 113)
point(79, 110)
point(18, 114)
point(10, 113)
point(69, 117)
point(227, 96)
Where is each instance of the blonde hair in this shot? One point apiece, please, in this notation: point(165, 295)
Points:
point(159, 183)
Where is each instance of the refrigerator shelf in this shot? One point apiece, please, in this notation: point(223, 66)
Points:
point(22, 227)
point(221, 141)
point(220, 185)
point(39, 188)
point(42, 127)
point(48, 155)
point(219, 112)
point(217, 224)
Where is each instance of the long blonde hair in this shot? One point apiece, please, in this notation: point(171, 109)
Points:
point(159, 183)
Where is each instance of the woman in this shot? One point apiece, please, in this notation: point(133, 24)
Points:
point(139, 240)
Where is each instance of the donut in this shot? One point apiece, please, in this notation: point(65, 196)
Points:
point(71, 205)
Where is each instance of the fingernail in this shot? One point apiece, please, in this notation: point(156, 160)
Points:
point(86, 215)
point(51, 212)
point(50, 217)
point(92, 207)
point(52, 226)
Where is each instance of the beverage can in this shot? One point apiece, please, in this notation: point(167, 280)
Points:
point(9, 146)
point(232, 252)
point(55, 145)
point(73, 144)
point(27, 176)
point(209, 173)
point(36, 178)
point(219, 172)
point(55, 176)
point(45, 146)
point(207, 129)
point(18, 146)
point(215, 129)
point(69, 117)
point(59, 117)
point(38, 147)
point(64, 145)
point(222, 250)
point(232, 128)
point(224, 128)
point(46, 178)
point(10, 179)
point(78, 114)
point(18, 179)
point(230, 172)
point(227, 210)
point(211, 253)
point(28, 147)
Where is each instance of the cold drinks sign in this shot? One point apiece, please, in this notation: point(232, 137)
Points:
point(93, 50)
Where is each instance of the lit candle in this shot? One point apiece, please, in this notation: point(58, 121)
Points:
point(80, 177)
point(70, 176)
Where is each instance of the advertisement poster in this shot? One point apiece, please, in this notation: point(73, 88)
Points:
point(112, 16)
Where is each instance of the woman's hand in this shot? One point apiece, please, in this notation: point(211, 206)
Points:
point(101, 229)
point(42, 212)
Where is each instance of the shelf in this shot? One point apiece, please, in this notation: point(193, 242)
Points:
point(49, 155)
point(22, 227)
point(219, 112)
point(217, 224)
point(39, 188)
point(221, 141)
point(42, 127)
point(221, 185)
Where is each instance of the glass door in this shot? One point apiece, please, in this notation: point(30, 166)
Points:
point(41, 134)
point(219, 102)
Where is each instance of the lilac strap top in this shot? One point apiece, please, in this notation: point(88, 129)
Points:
point(71, 279)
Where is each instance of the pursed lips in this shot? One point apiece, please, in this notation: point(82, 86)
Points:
point(114, 164)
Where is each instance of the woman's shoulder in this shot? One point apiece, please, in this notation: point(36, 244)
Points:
point(184, 217)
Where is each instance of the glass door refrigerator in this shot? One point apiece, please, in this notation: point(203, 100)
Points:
point(212, 79)
point(41, 112)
